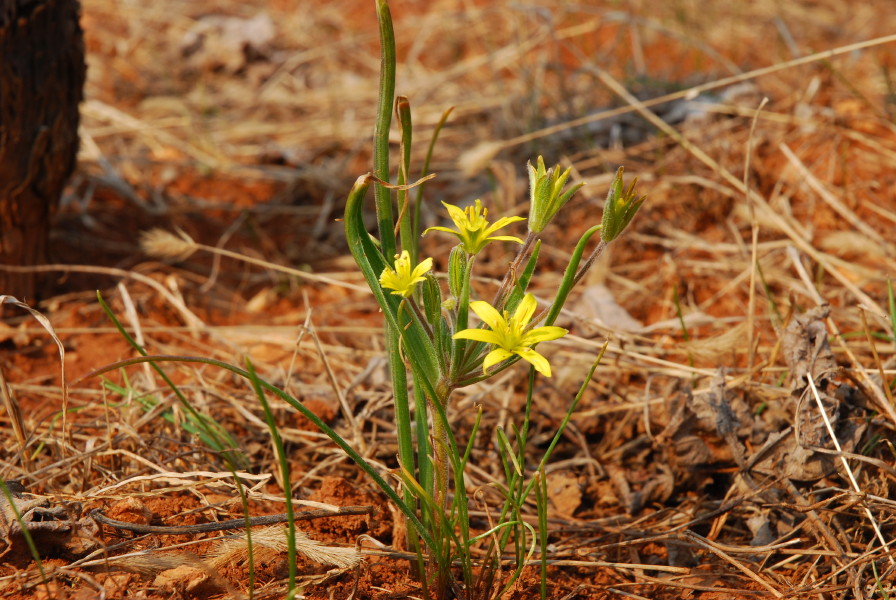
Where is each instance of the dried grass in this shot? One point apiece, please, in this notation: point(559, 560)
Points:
point(660, 478)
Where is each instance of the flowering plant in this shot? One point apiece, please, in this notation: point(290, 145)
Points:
point(434, 350)
point(434, 346)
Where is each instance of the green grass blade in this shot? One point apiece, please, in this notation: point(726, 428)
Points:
point(307, 413)
point(425, 171)
point(211, 428)
point(891, 302)
point(572, 407)
point(569, 277)
point(29, 539)
point(284, 472)
point(542, 505)
point(475, 430)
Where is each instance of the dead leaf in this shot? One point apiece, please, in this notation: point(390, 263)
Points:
point(228, 43)
point(182, 578)
point(807, 352)
point(599, 307)
point(805, 348)
point(50, 526)
point(565, 493)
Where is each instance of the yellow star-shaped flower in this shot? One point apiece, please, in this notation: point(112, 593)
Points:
point(473, 229)
point(403, 278)
point(509, 334)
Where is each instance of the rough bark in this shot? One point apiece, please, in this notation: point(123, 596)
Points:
point(42, 74)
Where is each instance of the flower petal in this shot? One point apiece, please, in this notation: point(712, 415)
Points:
point(540, 363)
point(478, 335)
point(489, 315)
point(421, 269)
point(504, 238)
point(524, 311)
point(503, 222)
point(445, 229)
point(497, 355)
point(457, 215)
point(543, 334)
point(390, 280)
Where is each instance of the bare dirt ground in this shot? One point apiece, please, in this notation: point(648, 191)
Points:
point(698, 464)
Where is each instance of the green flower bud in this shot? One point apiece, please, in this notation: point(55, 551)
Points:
point(620, 209)
point(545, 197)
point(457, 270)
point(432, 300)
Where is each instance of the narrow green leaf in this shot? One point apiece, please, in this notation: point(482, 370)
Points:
point(569, 276)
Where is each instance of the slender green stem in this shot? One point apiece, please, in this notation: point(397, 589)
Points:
point(409, 302)
point(440, 448)
point(381, 128)
point(425, 171)
point(399, 378)
point(543, 530)
point(284, 473)
point(572, 276)
point(510, 277)
point(463, 315)
point(595, 254)
point(405, 211)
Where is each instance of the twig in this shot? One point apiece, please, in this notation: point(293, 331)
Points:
point(240, 523)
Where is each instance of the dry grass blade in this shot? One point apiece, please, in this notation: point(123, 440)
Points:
point(846, 467)
point(166, 245)
point(704, 543)
point(271, 541)
point(45, 323)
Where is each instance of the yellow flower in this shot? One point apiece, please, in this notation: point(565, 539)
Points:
point(403, 279)
point(509, 334)
point(473, 229)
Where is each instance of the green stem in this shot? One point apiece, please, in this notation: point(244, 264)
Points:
point(510, 277)
point(409, 240)
point(381, 129)
point(463, 314)
point(440, 447)
point(572, 275)
point(425, 171)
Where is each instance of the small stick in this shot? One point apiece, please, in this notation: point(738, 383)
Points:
point(229, 524)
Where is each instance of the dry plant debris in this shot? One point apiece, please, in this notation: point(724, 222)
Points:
point(699, 464)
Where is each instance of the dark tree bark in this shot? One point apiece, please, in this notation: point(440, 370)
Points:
point(41, 83)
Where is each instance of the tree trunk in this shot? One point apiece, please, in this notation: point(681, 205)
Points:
point(41, 83)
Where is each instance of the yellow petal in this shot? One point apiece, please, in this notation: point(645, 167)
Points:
point(440, 229)
point(540, 363)
point(495, 356)
point(478, 335)
point(524, 311)
point(543, 334)
point(457, 215)
point(503, 222)
point(504, 238)
point(421, 269)
point(488, 314)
